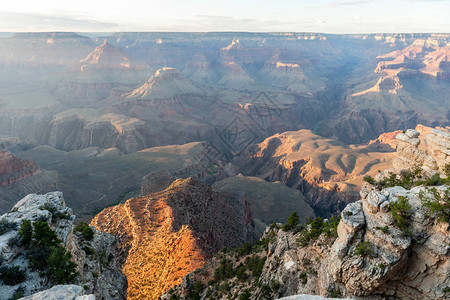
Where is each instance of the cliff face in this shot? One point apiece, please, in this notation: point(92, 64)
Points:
point(168, 234)
point(96, 259)
point(328, 172)
point(78, 129)
point(14, 169)
point(390, 243)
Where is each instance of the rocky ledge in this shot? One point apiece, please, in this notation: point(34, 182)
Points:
point(40, 244)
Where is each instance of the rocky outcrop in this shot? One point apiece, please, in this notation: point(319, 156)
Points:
point(166, 83)
point(14, 169)
point(67, 292)
point(387, 244)
point(96, 260)
point(168, 234)
point(107, 57)
point(308, 297)
point(431, 160)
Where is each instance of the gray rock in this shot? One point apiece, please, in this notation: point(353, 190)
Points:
point(61, 292)
point(412, 133)
point(310, 297)
point(353, 215)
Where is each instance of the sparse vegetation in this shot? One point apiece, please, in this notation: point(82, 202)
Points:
point(7, 226)
point(12, 275)
point(316, 227)
point(437, 203)
point(383, 229)
point(401, 213)
point(56, 214)
point(46, 254)
point(292, 221)
point(26, 232)
point(363, 249)
point(408, 179)
point(369, 179)
point(245, 295)
point(255, 264)
point(61, 269)
point(85, 231)
point(303, 277)
point(224, 271)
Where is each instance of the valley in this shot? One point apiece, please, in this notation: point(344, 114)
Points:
point(86, 101)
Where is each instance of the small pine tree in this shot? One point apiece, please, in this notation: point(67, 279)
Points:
point(292, 221)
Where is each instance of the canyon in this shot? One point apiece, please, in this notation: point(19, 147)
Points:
point(182, 149)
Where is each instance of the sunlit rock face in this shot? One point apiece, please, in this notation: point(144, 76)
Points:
point(168, 234)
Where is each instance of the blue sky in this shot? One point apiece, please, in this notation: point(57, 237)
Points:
point(346, 16)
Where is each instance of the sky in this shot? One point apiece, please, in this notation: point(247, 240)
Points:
point(345, 16)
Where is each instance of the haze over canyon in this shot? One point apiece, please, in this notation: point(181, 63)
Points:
point(176, 146)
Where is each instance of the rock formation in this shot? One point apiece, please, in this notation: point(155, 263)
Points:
point(166, 83)
point(329, 173)
point(67, 292)
point(390, 243)
point(96, 259)
point(168, 234)
point(432, 160)
point(82, 128)
point(107, 57)
point(14, 169)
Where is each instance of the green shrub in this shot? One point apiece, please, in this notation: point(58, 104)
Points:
point(438, 205)
point(56, 214)
point(311, 270)
point(91, 251)
point(46, 254)
point(383, 229)
point(195, 290)
point(245, 249)
point(245, 295)
point(12, 275)
point(401, 212)
point(303, 277)
point(61, 269)
point(317, 227)
point(255, 264)
point(86, 232)
point(266, 291)
point(241, 272)
point(292, 221)
point(446, 291)
point(409, 179)
point(447, 170)
point(369, 179)
point(6, 226)
point(26, 232)
point(363, 249)
point(43, 235)
point(224, 287)
point(224, 271)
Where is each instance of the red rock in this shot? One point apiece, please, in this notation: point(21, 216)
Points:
point(13, 169)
